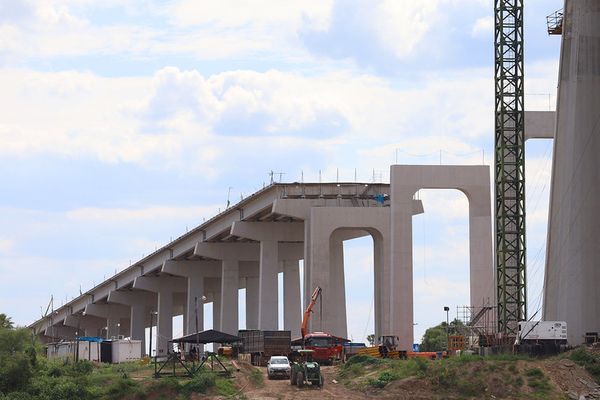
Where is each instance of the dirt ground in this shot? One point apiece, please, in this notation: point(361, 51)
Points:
point(566, 376)
point(281, 389)
point(572, 379)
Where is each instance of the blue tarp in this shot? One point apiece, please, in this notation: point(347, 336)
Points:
point(90, 339)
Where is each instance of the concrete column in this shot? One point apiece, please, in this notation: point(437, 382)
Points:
point(268, 286)
point(252, 286)
point(165, 287)
point(137, 330)
point(338, 287)
point(474, 182)
point(381, 276)
point(322, 318)
point(269, 234)
point(217, 309)
point(195, 272)
point(401, 290)
point(113, 314)
point(59, 331)
point(141, 303)
point(231, 254)
point(86, 325)
point(194, 317)
point(291, 298)
point(113, 325)
point(164, 325)
point(229, 296)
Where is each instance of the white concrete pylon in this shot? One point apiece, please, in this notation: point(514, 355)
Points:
point(573, 243)
point(141, 304)
point(328, 226)
point(252, 287)
point(86, 325)
point(195, 272)
point(165, 286)
point(301, 209)
point(59, 331)
point(115, 315)
point(269, 234)
point(406, 180)
point(230, 255)
point(291, 297)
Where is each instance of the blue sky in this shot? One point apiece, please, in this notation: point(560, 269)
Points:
point(125, 122)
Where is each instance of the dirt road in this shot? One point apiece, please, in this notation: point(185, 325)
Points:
point(282, 390)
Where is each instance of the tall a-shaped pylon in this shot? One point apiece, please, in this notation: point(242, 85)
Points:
point(572, 281)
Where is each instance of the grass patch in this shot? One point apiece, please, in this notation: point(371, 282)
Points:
point(256, 377)
point(534, 373)
point(537, 381)
point(588, 360)
point(225, 387)
point(201, 383)
point(123, 388)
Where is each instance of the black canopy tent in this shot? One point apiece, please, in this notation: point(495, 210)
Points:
point(204, 337)
point(208, 336)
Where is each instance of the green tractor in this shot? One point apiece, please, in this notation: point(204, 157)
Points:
point(306, 371)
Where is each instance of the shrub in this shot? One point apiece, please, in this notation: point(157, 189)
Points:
point(363, 359)
point(82, 367)
point(169, 383)
point(540, 385)
point(256, 377)
point(15, 372)
point(388, 376)
point(376, 383)
point(534, 373)
point(225, 387)
point(199, 384)
point(61, 388)
point(122, 388)
point(422, 365)
point(589, 361)
point(17, 396)
point(519, 381)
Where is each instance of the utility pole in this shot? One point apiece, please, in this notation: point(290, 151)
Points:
point(509, 165)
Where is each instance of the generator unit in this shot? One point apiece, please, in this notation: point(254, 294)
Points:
point(541, 337)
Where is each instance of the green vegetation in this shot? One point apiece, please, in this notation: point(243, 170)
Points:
point(538, 382)
point(26, 376)
point(436, 338)
point(590, 361)
point(466, 376)
point(5, 322)
point(256, 377)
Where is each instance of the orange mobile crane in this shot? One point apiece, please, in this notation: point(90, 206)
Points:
point(326, 347)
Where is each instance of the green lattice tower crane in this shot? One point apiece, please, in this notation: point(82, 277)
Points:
point(509, 165)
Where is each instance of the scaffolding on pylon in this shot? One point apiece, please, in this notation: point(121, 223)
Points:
point(478, 325)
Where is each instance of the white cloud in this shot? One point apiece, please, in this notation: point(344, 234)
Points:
point(6, 245)
point(261, 13)
point(483, 27)
point(400, 26)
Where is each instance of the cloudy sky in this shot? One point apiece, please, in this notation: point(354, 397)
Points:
point(124, 123)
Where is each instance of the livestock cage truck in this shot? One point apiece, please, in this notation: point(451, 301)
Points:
point(261, 345)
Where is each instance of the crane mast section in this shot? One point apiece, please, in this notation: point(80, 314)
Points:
point(510, 165)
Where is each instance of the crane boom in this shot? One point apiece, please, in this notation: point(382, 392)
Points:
point(313, 300)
